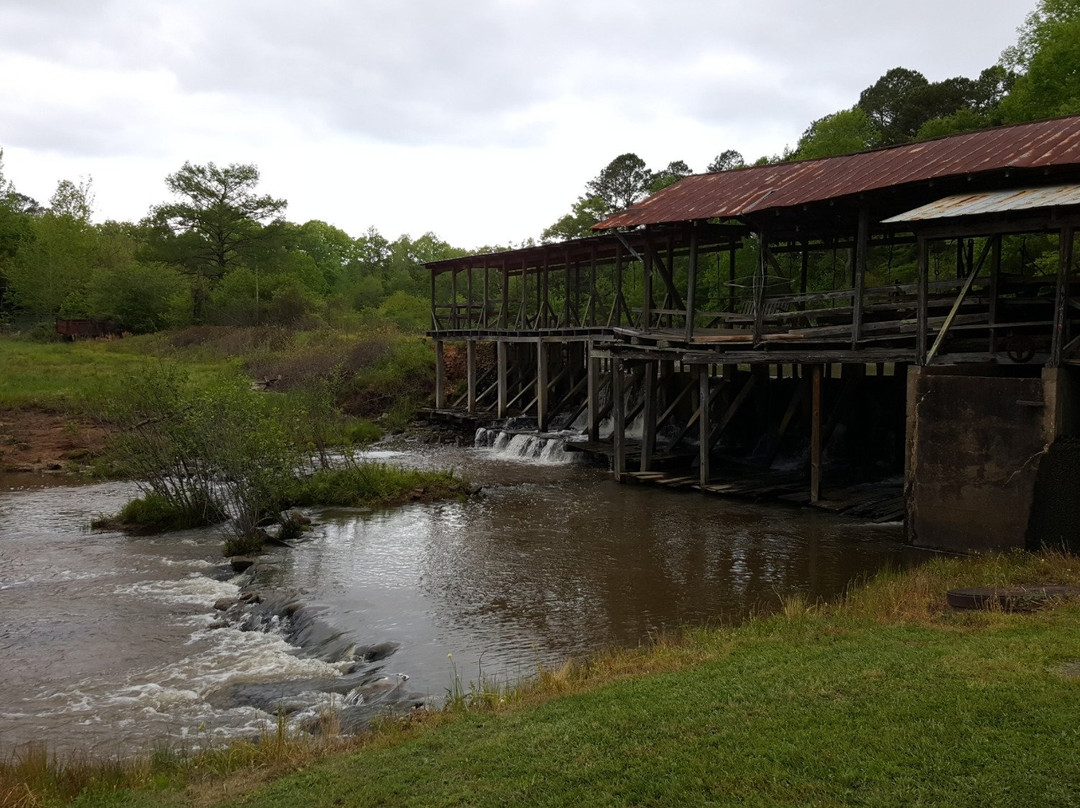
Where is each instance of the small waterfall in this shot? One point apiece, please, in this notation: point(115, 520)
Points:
point(532, 447)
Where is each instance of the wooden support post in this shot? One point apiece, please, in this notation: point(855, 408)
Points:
point(922, 317)
point(815, 436)
point(504, 304)
point(648, 428)
point(995, 288)
point(470, 370)
point(502, 369)
point(593, 394)
point(1061, 296)
point(731, 277)
point(691, 284)
point(804, 269)
point(440, 376)
point(469, 298)
point(541, 386)
point(704, 425)
point(646, 288)
point(619, 299)
point(484, 314)
point(759, 288)
point(862, 249)
point(453, 299)
point(618, 413)
point(434, 306)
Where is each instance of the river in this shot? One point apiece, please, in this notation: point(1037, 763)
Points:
point(112, 644)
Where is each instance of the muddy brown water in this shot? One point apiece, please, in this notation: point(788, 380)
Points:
point(111, 644)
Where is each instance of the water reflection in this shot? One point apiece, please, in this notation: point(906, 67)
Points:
point(113, 643)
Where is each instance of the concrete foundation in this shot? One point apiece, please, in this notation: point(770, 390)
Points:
point(975, 442)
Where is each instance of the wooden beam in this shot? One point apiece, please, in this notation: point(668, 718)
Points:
point(759, 288)
point(704, 424)
point(995, 288)
point(593, 395)
point(957, 304)
point(862, 248)
point(1061, 295)
point(541, 386)
point(440, 375)
point(470, 372)
point(815, 436)
point(618, 405)
point(502, 370)
point(648, 429)
point(691, 284)
point(789, 415)
point(923, 297)
point(733, 409)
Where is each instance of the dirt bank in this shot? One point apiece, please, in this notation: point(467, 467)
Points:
point(36, 441)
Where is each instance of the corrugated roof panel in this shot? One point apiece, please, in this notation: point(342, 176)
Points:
point(730, 194)
point(992, 202)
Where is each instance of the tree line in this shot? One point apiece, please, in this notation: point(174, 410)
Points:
point(217, 252)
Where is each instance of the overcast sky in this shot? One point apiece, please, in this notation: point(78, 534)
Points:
point(479, 120)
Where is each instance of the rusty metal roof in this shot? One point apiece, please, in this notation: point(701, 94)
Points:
point(992, 202)
point(740, 192)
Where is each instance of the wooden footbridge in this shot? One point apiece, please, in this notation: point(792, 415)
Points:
point(803, 331)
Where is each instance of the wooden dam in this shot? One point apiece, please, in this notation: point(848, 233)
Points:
point(893, 334)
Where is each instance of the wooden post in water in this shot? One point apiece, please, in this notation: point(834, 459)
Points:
point(541, 386)
point(440, 376)
point(704, 425)
point(815, 436)
point(501, 370)
point(593, 367)
point(648, 429)
point(470, 370)
point(618, 414)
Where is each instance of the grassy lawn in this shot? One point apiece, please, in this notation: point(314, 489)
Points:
point(888, 698)
point(73, 375)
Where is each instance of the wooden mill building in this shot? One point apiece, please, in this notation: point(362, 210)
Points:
point(808, 330)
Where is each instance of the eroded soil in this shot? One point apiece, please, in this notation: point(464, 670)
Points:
point(35, 441)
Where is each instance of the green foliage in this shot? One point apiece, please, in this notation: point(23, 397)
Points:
point(621, 183)
point(407, 312)
point(587, 211)
point(191, 444)
point(368, 484)
point(842, 132)
point(1051, 85)
point(726, 161)
point(154, 513)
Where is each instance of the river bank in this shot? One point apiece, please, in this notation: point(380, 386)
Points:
point(887, 697)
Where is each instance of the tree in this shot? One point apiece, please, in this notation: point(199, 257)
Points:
point(1051, 85)
point(885, 103)
point(725, 161)
point(76, 201)
point(624, 181)
point(675, 171)
point(1039, 27)
point(843, 132)
point(587, 211)
point(217, 217)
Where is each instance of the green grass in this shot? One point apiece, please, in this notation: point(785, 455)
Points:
point(77, 375)
point(888, 698)
point(373, 484)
